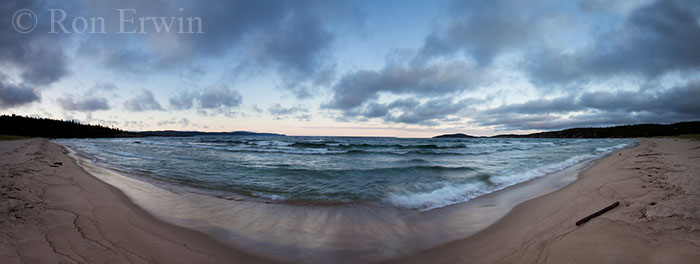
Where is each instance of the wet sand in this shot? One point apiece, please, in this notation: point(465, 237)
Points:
point(52, 211)
point(658, 221)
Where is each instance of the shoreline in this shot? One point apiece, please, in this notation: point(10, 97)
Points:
point(96, 233)
point(346, 233)
point(54, 211)
point(656, 183)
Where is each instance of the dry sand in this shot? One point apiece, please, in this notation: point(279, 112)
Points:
point(63, 214)
point(658, 221)
point(52, 213)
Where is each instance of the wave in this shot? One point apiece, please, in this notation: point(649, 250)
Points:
point(610, 149)
point(512, 179)
point(127, 154)
point(449, 194)
point(156, 143)
point(228, 141)
point(313, 145)
point(386, 170)
point(308, 151)
point(273, 197)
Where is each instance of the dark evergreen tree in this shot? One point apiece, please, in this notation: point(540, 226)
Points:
point(51, 128)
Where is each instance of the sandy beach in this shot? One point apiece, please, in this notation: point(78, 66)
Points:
point(658, 221)
point(53, 211)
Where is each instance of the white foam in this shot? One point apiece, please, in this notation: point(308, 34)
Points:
point(309, 151)
point(441, 197)
point(457, 193)
point(273, 197)
point(274, 143)
point(610, 149)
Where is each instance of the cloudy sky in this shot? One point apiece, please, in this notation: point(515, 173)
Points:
point(371, 68)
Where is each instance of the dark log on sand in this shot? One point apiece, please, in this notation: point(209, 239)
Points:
point(585, 219)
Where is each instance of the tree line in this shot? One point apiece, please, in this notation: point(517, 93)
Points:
point(52, 128)
point(627, 131)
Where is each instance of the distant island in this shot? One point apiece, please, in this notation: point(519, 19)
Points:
point(627, 131)
point(458, 135)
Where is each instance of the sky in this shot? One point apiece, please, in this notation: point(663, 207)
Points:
point(352, 68)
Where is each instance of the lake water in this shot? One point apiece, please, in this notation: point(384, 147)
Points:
point(421, 174)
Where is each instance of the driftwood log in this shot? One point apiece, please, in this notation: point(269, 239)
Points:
point(585, 219)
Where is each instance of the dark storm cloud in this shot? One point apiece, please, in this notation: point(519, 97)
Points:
point(640, 39)
point(183, 100)
point(15, 95)
point(356, 88)
point(431, 112)
point(598, 108)
point(480, 29)
point(84, 104)
point(145, 101)
point(44, 63)
point(92, 100)
point(539, 106)
point(647, 39)
point(290, 38)
point(216, 96)
point(483, 29)
point(410, 110)
point(653, 40)
point(299, 51)
point(616, 6)
point(680, 100)
point(37, 58)
point(211, 97)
